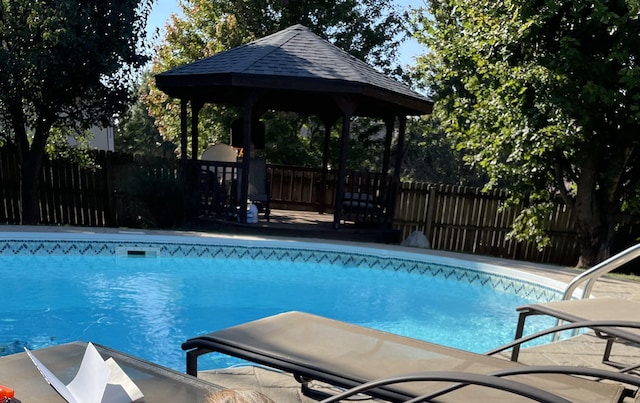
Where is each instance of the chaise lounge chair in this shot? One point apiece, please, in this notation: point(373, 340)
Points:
point(591, 310)
point(345, 355)
point(157, 383)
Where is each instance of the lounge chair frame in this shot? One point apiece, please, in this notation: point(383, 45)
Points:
point(610, 319)
point(315, 348)
point(464, 379)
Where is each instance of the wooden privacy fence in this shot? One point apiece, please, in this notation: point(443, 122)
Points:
point(118, 190)
point(125, 191)
point(466, 219)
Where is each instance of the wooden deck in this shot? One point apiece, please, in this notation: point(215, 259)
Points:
point(303, 224)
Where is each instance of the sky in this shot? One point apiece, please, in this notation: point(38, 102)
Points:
point(162, 10)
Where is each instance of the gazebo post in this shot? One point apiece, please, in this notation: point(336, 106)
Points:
point(246, 161)
point(195, 110)
point(402, 128)
point(386, 157)
point(347, 107)
point(183, 129)
point(395, 182)
point(247, 119)
point(191, 170)
point(328, 124)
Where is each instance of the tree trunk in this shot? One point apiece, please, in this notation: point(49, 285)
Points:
point(29, 180)
point(592, 251)
point(30, 169)
point(594, 224)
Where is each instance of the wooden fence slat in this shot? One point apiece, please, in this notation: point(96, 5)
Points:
point(10, 189)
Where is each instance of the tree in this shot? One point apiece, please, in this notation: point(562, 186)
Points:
point(545, 96)
point(430, 156)
point(137, 132)
point(368, 29)
point(64, 64)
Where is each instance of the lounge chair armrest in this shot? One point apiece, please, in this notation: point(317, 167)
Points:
point(571, 370)
point(464, 378)
point(545, 369)
point(603, 326)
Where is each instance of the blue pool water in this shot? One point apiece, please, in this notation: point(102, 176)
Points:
point(148, 306)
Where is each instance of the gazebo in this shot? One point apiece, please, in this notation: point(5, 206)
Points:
point(296, 71)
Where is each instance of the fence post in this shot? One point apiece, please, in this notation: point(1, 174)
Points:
point(110, 193)
point(430, 211)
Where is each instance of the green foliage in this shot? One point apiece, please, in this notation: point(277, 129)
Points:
point(431, 157)
point(60, 146)
point(368, 29)
point(67, 61)
point(528, 224)
point(137, 133)
point(544, 95)
point(156, 190)
point(284, 143)
point(64, 64)
point(164, 201)
point(299, 140)
point(366, 145)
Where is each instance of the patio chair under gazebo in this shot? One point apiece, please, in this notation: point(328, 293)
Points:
point(294, 70)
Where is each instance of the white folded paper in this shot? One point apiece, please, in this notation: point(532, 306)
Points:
point(97, 381)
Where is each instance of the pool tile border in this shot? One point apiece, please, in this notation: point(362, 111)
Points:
point(520, 287)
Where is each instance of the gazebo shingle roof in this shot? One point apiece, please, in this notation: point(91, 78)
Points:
point(290, 65)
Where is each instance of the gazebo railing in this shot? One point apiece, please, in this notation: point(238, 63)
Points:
point(368, 198)
point(301, 187)
point(213, 187)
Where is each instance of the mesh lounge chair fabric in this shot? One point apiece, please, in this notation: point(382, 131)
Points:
point(158, 384)
point(347, 355)
point(593, 309)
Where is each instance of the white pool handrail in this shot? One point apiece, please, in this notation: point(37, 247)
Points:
point(604, 267)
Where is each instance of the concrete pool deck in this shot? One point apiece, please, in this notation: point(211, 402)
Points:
point(281, 387)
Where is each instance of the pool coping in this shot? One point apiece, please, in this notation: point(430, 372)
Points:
point(547, 276)
point(550, 275)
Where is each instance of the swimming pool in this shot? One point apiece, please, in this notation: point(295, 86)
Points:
point(147, 293)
